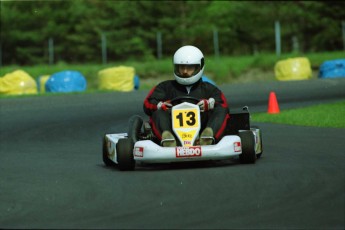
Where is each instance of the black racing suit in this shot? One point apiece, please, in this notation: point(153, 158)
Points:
point(161, 120)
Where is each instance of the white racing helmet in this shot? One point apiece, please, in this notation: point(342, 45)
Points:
point(188, 55)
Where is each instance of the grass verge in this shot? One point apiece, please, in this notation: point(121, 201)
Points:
point(322, 115)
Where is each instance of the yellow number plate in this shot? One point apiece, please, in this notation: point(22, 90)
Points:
point(186, 124)
point(185, 118)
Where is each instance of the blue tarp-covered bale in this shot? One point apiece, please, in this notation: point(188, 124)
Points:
point(332, 69)
point(66, 81)
point(136, 82)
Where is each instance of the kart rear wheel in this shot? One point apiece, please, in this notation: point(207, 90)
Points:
point(124, 150)
point(248, 147)
point(105, 154)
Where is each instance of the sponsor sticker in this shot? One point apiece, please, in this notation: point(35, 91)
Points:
point(193, 151)
point(187, 143)
point(237, 147)
point(187, 135)
point(139, 151)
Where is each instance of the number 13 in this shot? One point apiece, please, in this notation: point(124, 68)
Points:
point(190, 119)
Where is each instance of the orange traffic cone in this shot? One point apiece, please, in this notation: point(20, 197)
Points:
point(273, 106)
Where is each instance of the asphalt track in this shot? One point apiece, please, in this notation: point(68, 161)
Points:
point(52, 174)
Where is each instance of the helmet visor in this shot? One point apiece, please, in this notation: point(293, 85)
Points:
point(186, 71)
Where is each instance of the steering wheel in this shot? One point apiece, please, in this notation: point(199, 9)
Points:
point(180, 99)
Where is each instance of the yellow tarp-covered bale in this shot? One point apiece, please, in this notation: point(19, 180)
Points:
point(293, 69)
point(117, 78)
point(16, 83)
point(42, 83)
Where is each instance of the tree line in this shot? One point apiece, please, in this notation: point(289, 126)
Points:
point(131, 28)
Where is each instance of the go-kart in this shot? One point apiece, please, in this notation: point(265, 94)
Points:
point(139, 144)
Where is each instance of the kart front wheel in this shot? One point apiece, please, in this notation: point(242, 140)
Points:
point(248, 147)
point(124, 150)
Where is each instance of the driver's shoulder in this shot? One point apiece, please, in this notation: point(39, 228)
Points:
point(210, 87)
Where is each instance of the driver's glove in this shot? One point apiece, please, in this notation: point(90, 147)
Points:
point(164, 105)
point(206, 105)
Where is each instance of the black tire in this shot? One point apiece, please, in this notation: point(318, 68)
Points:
point(124, 152)
point(105, 154)
point(248, 147)
point(134, 127)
